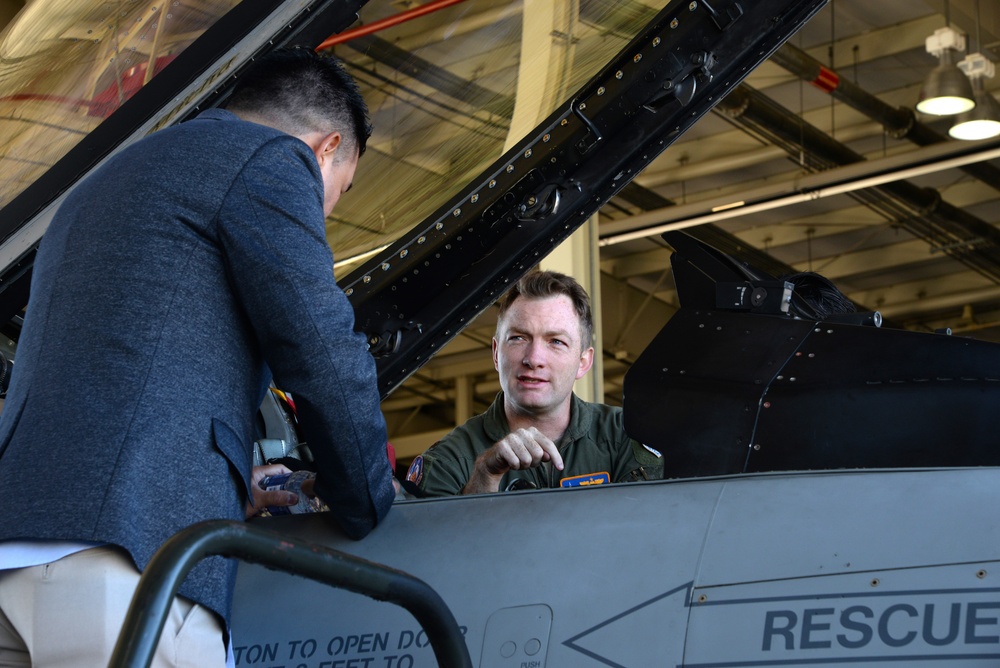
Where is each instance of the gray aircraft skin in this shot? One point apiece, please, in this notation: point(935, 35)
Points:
point(859, 568)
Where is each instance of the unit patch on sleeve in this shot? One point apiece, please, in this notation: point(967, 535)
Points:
point(416, 472)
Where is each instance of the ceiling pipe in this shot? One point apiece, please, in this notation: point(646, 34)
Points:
point(802, 188)
point(922, 211)
point(899, 122)
point(435, 76)
point(388, 22)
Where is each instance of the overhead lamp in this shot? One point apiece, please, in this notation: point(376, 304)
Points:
point(983, 120)
point(947, 90)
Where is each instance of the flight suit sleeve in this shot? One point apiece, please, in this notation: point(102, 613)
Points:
point(446, 467)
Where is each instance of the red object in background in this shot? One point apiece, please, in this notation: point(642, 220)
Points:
point(827, 80)
point(387, 22)
point(391, 451)
point(113, 95)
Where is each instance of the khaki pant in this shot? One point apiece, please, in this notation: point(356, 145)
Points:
point(68, 614)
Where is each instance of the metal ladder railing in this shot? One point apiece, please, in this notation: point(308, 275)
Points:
point(163, 575)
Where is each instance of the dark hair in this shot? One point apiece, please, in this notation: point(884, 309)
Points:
point(542, 284)
point(815, 297)
point(298, 91)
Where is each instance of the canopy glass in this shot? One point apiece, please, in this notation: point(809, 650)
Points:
point(449, 91)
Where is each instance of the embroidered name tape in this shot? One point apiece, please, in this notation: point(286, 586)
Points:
point(587, 479)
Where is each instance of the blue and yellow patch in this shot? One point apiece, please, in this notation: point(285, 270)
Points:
point(586, 479)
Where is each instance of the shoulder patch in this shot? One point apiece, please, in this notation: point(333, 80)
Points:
point(586, 479)
point(416, 472)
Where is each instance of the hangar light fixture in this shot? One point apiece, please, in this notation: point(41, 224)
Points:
point(947, 90)
point(983, 120)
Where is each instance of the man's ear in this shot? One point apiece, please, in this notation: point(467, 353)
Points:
point(586, 361)
point(496, 360)
point(325, 147)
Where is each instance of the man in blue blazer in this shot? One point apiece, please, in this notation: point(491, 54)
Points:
point(168, 288)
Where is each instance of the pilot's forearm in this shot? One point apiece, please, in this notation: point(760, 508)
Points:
point(489, 469)
point(482, 483)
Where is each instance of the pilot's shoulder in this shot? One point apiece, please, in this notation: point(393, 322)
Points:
point(606, 416)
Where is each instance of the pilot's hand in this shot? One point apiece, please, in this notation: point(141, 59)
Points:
point(262, 498)
point(519, 450)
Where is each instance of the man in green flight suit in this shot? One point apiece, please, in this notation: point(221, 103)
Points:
point(537, 433)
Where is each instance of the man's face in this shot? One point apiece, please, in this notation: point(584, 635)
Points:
point(538, 353)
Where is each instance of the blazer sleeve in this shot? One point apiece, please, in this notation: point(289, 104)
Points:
point(272, 235)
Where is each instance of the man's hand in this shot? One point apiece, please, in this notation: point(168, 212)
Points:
point(519, 450)
point(262, 498)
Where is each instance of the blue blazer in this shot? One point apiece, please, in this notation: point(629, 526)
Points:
point(167, 285)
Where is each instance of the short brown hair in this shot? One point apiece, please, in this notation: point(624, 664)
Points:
point(543, 284)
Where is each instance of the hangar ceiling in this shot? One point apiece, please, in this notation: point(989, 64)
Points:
point(451, 89)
